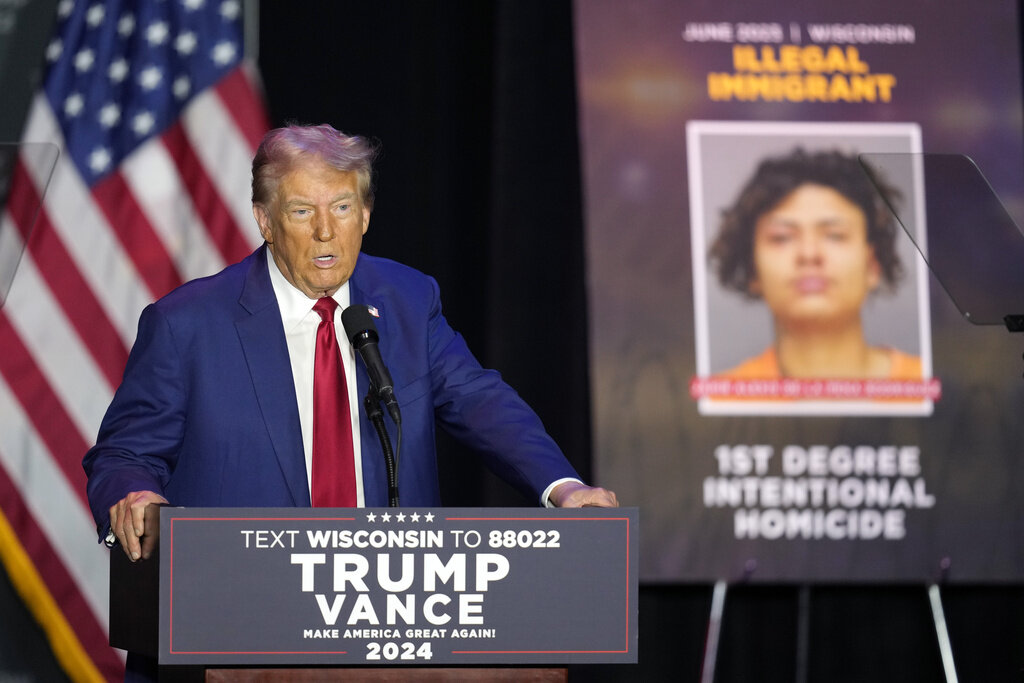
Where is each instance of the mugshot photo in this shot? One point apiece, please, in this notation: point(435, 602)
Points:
point(801, 269)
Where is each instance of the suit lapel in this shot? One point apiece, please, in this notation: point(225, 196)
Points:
point(266, 353)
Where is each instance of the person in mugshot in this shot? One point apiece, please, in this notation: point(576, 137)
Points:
point(812, 237)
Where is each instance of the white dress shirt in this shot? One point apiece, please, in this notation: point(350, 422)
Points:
point(300, 325)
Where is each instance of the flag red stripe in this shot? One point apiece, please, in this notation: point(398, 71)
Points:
point(220, 223)
point(69, 287)
point(62, 587)
point(129, 222)
point(43, 406)
point(251, 120)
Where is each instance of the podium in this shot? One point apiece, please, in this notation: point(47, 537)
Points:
point(295, 594)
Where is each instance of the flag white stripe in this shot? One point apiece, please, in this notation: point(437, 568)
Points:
point(69, 369)
point(54, 506)
point(153, 178)
point(86, 234)
point(219, 145)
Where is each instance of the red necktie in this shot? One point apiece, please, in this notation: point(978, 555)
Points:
point(334, 475)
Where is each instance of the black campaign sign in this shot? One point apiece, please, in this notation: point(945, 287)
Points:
point(398, 586)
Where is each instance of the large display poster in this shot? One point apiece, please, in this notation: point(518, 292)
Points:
point(778, 381)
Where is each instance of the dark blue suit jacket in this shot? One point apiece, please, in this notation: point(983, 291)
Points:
point(206, 412)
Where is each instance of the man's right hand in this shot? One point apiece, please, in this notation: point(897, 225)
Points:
point(128, 523)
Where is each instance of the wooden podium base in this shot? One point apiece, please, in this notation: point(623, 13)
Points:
point(375, 675)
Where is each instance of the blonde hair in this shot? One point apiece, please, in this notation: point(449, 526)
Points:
point(282, 148)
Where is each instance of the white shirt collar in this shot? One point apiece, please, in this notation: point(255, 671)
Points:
point(296, 306)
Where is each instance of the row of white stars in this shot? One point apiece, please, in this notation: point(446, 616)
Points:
point(185, 44)
point(110, 113)
point(142, 124)
point(157, 34)
point(399, 517)
point(222, 53)
point(94, 16)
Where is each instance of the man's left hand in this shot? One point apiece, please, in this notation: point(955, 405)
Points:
point(573, 494)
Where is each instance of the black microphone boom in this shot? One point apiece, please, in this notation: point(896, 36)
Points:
point(362, 332)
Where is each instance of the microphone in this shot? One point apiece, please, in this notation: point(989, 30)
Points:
point(362, 332)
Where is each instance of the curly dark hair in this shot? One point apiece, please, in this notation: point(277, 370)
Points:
point(776, 177)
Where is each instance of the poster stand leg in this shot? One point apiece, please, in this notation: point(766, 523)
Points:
point(942, 633)
point(803, 632)
point(707, 674)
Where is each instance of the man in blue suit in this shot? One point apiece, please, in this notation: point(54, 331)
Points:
point(215, 408)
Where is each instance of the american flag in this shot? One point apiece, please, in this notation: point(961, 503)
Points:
point(156, 116)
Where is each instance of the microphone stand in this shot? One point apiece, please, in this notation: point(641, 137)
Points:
point(372, 404)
